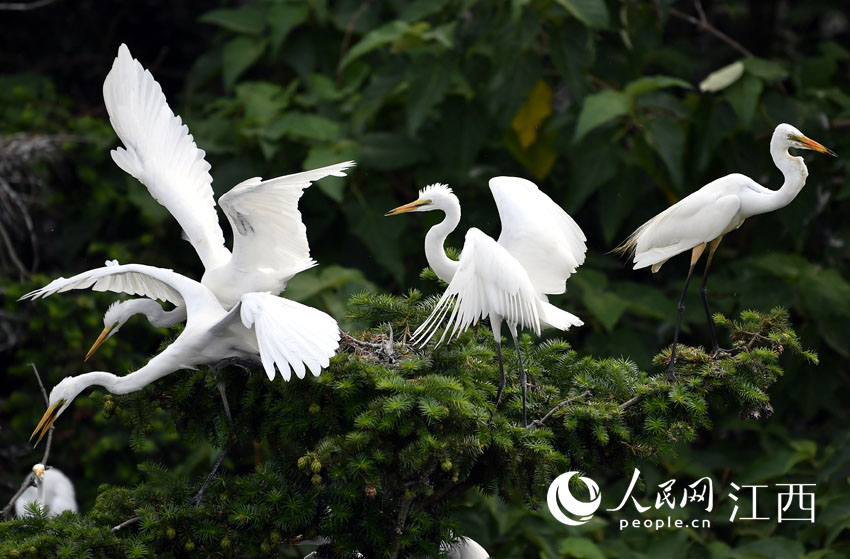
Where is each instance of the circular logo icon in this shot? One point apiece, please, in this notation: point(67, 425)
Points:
point(559, 496)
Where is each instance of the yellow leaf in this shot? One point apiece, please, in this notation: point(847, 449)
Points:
point(528, 118)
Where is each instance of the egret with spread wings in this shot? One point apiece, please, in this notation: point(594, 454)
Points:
point(269, 239)
point(287, 336)
point(539, 247)
point(702, 218)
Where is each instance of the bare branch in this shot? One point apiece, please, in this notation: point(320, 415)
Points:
point(24, 6)
point(47, 402)
point(703, 23)
point(126, 523)
point(626, 405)
point(26, 484)
point(538, 422)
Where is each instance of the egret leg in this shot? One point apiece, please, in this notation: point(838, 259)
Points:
point(196, 500)
point(715, 347)
point(502, 378)
point(523, 379)
point(695, 254)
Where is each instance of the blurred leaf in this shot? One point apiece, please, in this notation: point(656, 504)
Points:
point(385, 151)
point(429, 82)
point(743, 95)
point(303, 125)
point(765, 69)
point(606, 306)
point(593, 13)
point(384, 35)
point(247, 19)
point(238, 55)
point(283, 18)
point(769, 548)
point(669, 141)
point(529, 117)
point(312, 282)
point(723, 78)
point(647, 84)
point(321, 156)
point(539, 157)
point(580, 548)
point(598, 109)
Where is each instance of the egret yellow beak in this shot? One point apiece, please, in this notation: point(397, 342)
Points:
point(407, 207)
point(813, 145)
point(99, 341)
point(47, 421)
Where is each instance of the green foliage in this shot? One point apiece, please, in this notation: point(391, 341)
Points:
point(378, 453)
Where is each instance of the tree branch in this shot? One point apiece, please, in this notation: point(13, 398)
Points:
point(703, 23)
point(24, 6)
point(538, 422)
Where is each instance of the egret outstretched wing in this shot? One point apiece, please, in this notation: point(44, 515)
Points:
point(289, 335)
point(136, 279)
point(538, 233)
point(267, 229)
point(489, 281)
point(162, 155)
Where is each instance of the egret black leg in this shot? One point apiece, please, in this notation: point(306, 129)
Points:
point(696, 253)
point(502, 379)
point(196, 500)
point(715, 347)
point(523, 380)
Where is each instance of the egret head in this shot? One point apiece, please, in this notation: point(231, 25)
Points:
point(116, 315)
point(789, 137)
point(433, 197)
point(60, 398)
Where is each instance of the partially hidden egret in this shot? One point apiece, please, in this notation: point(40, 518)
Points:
point(285, 334)
point(53, 491)
point(269, 239)
point(539, 247)
point(702, 218)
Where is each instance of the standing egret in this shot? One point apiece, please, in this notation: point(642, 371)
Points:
point(284, 333)
point(703, 217)
point(539, 248)
point(269, 239)
point(53, 491)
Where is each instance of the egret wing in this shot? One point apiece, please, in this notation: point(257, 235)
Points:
point(136, 279)
point(290, 336)
point(267, 229)
point(162, 155)
point(542, 237)
point(488, 281)
point(694, 220)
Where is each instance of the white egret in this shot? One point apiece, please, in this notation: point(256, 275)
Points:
point(702, 218)
point(269, 239)
point(286, 335)
point(53, 491)
point(539, 247)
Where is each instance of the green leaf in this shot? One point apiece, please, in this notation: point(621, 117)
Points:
point(283, 18)
point(238, 55)
point(647, 84)
point(384, 35)
point(598, 109)
point(385, 151)
point(580, 548)
point(764, 69)
point(592, 13)
point(302, 125)
point(429, 82)
point(723, 78)
point(606, 306)
point(531, 115)
point(743, 95)
point(769, 548)
point(378, 233)
point(248, 19)
point(669, 141)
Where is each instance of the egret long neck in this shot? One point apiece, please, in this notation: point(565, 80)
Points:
point(795, 172)
point(435, 241)
point(155, 369)
point(154, 312)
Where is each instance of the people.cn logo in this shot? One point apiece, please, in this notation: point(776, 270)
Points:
point(559, 496)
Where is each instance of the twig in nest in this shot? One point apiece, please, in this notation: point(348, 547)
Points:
point(538, 422)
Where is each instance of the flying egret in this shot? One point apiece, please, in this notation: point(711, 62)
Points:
point(269, 239)
point(54, 491)
point(285, 334)
point(702, 218)
point(539, 247)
